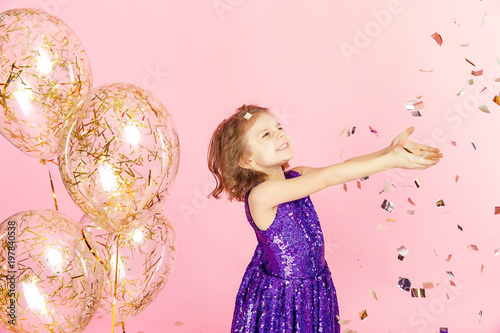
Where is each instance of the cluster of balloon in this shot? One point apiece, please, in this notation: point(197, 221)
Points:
point(118, 155)
point(44, 70)
point(53, 282)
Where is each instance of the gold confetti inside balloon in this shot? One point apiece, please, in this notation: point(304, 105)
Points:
point(118, 154)
point(145, 260)
point(50, 281)
point(44, 70)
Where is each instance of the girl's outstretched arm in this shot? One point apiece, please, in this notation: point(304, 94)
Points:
point(265, 198)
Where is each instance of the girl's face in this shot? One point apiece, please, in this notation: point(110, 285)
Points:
point(268, 144)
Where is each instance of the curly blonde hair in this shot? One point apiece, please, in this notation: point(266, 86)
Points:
point(226, 148)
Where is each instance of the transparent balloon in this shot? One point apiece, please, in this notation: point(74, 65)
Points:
point(145, 260)
point(44, 70)
point(118, 155)
point(50, 280)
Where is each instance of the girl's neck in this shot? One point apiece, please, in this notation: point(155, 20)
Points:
point(276, 174)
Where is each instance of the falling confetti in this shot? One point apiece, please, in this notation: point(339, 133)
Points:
point(374, 295)
point(480, 315)
point(456, 178)
point(387, 205)
point(404, 284)
point(477, 73)
point(373, 130)
point(391, 220)
point(461, 92)
point(443, 330)
point(382, 227)
point(482, 268)
point(472, 247)
point(418, 292)
point(363, 315)
point(470, 82)
point(428, 285)
point(440, 203)
point(358, 184)
point(496, 99)
point(497, 210)
point(403, 251)
point(345, 188)
point(460, 228)
point(342, 132)
point(449, 258)
point(411, 201)
point(453, 143)
point(470, 62)
point(178, 323)
point(410, 212)
point(472, 145)
point(417, 183)
point(343, 322)
point(484, 108)
point(450, 275)
point(484, 18)
point(464, 45)
point(497, 252)
point(437, 37)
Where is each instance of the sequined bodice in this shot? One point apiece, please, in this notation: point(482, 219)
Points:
point(292, 247)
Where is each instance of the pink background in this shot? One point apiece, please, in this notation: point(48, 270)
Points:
point(203, 63)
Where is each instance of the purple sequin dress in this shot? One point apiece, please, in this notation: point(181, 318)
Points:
point(287, 287)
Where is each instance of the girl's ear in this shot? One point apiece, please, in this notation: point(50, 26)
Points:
point(245, 162)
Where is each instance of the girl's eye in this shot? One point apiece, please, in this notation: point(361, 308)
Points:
point(265, 134)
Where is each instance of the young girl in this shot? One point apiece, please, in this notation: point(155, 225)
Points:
point(287, 287)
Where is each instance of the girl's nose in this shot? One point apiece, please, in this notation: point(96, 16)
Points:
point(281, 134)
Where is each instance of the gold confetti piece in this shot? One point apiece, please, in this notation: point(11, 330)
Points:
point(470, 62)
point(464, 45)
point(428, 285)
point(417, 183)
point(449, 258)
point(484, 18)
point(496, 99)
point(374, 295)
point(460, 228)
point(477, 73)
point(391, 220)
point(482, 268)
point(342, 132)
point(497, 79)
point(440, 203)
point(382, 227)
point(437, 37)
point(178, 323)
point(427, 70)
point(470, 82)
point(472, 247)
point(363, 315)
point(345, 188)
point(418, 292)
point(461, 92)
point(411, 201)
point(497, 210)
point(343, 322)
point(484, 108)
point(456, 178)
point(247, 116)
point(359, 184)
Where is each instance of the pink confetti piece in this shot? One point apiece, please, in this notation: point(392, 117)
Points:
point(453, 143)
point(345, 188)
point(448, 259)
point(497, 252)
point(437, 37)
point(472, 247)
point(477, 73)
point(411, 201)
point(482, 268)
point(497, 210)
point(358, 184)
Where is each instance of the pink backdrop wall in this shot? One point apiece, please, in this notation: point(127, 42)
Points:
point(321, 66)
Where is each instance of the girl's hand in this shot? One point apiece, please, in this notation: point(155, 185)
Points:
point(411, 155)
